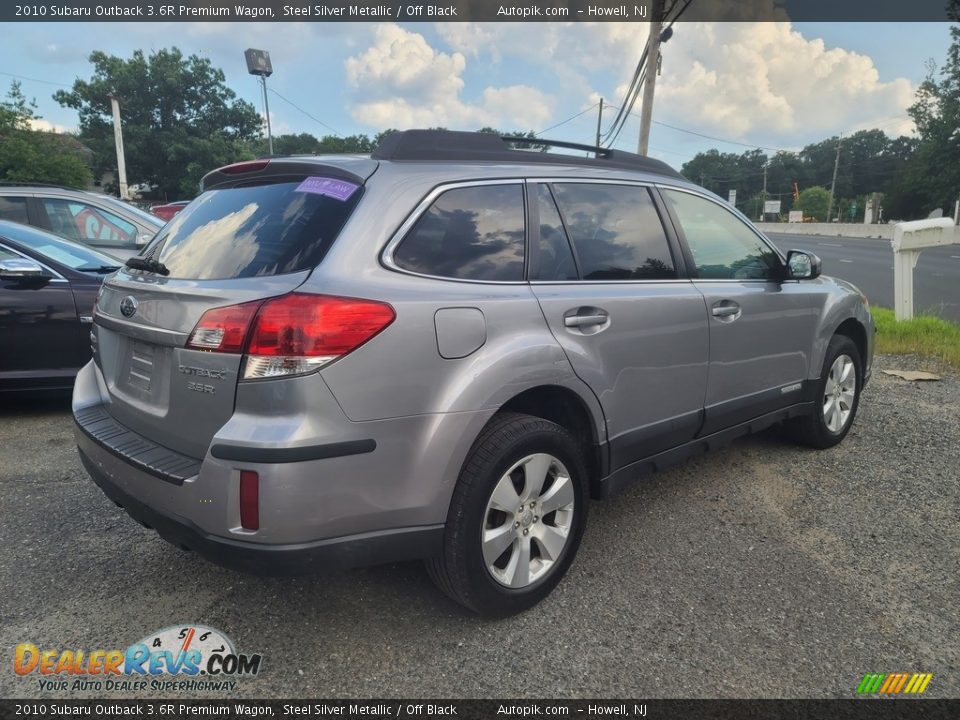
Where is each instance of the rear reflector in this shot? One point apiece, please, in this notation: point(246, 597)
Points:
point(223, 329)
point(244, 167)
point(249, 500)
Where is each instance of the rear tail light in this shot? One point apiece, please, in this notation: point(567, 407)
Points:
point(291, 334)
point(249, 500)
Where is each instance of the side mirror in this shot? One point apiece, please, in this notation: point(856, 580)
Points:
point(802, 265)
point(20, 268)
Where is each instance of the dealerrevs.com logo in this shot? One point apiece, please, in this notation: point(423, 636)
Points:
point(180, 657)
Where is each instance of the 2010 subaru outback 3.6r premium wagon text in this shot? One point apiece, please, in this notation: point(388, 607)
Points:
point(442, 351)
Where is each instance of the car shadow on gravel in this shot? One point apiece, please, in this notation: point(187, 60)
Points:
point(46, 402)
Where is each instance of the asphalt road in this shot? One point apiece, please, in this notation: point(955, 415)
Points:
point(760, 570)
point(868, 264)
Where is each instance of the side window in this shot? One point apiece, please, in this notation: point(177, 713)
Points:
point(723, 247)
point(616, 231)
point(88, 224)
point(14, 209)
point(471, 233)
point(556, 258)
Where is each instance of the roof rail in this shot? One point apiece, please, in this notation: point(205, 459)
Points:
point(28, 183)
point(454, 145)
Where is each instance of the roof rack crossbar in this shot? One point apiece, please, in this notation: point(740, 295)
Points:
point(595, 149)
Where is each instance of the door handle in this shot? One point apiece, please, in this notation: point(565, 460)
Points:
point(585, 320)
point(726, 310)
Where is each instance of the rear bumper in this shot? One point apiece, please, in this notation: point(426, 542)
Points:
point(370, 548)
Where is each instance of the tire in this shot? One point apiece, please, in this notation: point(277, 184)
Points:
point(821, 429)
point(511, 452)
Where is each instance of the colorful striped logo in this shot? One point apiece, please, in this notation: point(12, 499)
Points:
point(894, 683)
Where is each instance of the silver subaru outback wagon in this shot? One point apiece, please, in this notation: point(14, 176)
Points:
point(443, 351)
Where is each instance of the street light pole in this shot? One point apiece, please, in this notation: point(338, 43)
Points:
point(266, 111)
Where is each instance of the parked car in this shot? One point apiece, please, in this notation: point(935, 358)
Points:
point(100, 221)
point(166, 211)
point(48, 286)
point(443, 351)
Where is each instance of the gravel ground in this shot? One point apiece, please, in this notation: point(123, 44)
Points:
point(762, 570)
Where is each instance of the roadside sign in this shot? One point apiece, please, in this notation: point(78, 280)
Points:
point(795, 216)
point(732, 197)
point(771, 206)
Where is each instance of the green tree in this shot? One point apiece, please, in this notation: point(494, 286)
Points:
point(28, 155)
point(932, 179)
point(814, 202)
point(180, 120)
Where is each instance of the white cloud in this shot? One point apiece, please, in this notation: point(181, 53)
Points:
point(402, 81)
point(761, 82)
point(46, 126)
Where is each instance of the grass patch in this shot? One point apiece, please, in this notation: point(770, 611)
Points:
point(923, 335)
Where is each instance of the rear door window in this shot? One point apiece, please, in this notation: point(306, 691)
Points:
point(88, 224)
point(616, 231)
point(556, 260)
point(470, 233)
point(255, 230)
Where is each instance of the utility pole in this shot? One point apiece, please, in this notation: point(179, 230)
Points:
point(763, 201)
point(833, 182)
point(650, 82)
point(118, 140)
point(599, 119)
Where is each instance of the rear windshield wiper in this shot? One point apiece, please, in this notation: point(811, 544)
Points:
point(148, 264)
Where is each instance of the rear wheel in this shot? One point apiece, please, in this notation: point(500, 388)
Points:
point(516, 517)
point(837, 398)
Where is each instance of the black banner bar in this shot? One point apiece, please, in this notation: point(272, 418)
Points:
point(852, 709)
point(470, 10)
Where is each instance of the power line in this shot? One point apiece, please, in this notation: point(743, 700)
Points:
point(724, 140)
point(564, 122)
point(38, 80)
point(297, 107)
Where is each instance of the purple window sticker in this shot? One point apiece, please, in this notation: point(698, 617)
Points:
point(337, 189)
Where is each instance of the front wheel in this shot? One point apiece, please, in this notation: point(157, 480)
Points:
point(516, 517)
point(837, 398)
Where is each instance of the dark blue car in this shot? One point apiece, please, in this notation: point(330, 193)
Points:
point(48, 286)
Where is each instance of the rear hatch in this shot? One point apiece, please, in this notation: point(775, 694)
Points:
point(170, 345)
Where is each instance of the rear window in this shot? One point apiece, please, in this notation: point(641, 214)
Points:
point(256, 230)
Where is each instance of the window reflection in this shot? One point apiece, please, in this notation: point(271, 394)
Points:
point(616, 230)
point(474, 233)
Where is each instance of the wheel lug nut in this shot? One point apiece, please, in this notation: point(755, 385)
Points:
point(517, 524)
point(536, 518)
point(526, 531)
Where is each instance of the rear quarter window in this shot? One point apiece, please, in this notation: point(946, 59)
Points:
point(252, 231)
point(470, 233)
